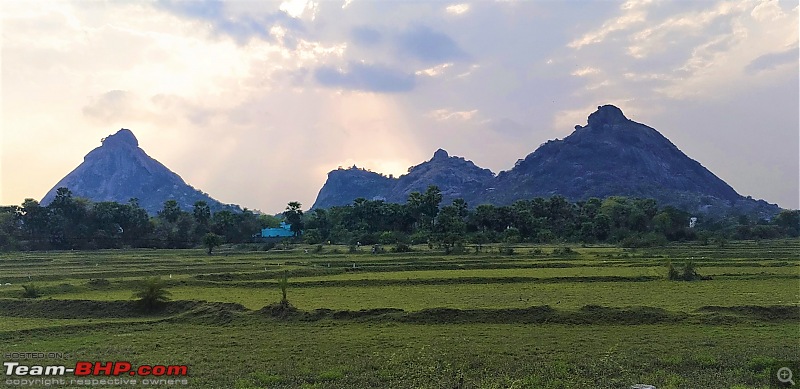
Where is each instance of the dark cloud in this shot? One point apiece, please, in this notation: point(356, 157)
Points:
point(241, 28)
point(772, 60)
point(366, 36)
point(366, 77)
point(430, 46)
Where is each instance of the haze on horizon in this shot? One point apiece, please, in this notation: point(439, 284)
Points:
point(255, 102)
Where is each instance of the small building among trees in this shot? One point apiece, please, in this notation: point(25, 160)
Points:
point(284, 231)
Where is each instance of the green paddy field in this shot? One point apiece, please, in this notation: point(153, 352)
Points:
point(599, 317)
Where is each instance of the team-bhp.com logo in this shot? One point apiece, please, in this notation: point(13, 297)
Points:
point(97, 369)
point(88, 372)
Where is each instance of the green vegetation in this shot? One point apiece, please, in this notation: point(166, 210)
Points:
point(284, 284)
point(152, 294)
point(75, 223)
point(211, 240)
point(30, 291)
point(541, 316)
point(689, 272)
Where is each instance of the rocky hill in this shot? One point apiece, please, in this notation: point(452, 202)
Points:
point(119, 170)
point(455, 177)
point(345, 185)
point(611, 155)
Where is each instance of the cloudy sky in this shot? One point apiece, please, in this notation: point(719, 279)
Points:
point(254, 102)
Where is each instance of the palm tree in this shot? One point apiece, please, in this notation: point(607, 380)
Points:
point(152, 293)
point(294, 215)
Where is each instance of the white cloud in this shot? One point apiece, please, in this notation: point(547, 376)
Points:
point(718, 60)
point(633, 13)
point(676, 29)
point(448, 115)
point(586, 71)
point(299, 8)
point(457, 9)
point(767, 11)
point(434, 71)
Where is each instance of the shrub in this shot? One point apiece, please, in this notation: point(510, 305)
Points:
point(563, 251)
point(284, 285)
point(401, 248)
point(507, 250)
point(152, 294)
point(268, 246)
point(689, 272)
point(672, 272)
point(30, 291)
point(98, 283)
point(317, 249)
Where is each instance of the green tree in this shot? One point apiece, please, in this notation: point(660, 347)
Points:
point(202, 216)
point(67, 221)
point(450, 228)
point(171, 211)
point(294, 216)
point(152, 294)
point(789, 220)
point(211, 240)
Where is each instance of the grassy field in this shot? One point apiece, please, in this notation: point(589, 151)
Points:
point(596, 317)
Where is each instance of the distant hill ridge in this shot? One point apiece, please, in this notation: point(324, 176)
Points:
point(119, 170)
point(610, 156)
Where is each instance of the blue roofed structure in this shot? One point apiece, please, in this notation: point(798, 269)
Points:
point(284, 231)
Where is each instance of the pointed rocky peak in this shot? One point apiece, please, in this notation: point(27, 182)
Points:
point(440, 154)
point(606, 114)
point(122, 137)
point(120, 170)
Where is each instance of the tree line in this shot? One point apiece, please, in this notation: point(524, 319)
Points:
point(75, 223)
point(71, 222)
point(620, 220)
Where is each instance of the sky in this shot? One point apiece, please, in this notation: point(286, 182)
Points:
point(254, 102)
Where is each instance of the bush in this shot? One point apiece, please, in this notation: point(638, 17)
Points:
point(401, 248)
point(563, 251)
point(30, 291)
point(689, 273)
point(507, 250)
point(268, 246)
point(652, 239)
point(152, 294)
point(672, 272)
point(284, 285)
point(98, 283)
point(317, 249)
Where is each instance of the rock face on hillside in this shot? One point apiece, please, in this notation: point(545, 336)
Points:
point(455, 177)
point(119, 170)
point(345, 185)
point(610, 156)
